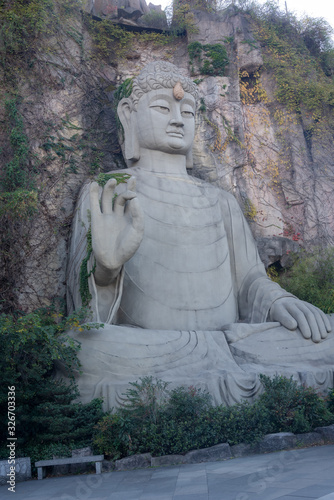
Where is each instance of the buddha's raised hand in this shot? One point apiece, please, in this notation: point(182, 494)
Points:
point(117, 230)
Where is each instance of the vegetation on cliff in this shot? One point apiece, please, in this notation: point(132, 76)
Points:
point(311, 278)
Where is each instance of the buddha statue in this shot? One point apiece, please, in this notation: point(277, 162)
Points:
point(174, 273)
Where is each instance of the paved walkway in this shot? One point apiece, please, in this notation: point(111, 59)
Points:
point(286, 475)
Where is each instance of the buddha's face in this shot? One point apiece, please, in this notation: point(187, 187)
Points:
point(165, 123)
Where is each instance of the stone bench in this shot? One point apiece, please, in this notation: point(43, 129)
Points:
point(68, 461)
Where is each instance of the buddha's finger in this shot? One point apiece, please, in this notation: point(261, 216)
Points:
point(281, 314)
point(320, 318)
point(303, 323)
point(108, 195)
point(316, 321)
point(137, 215)
point(327, 323)
point(94, 199)
point(131, 184)
point(288, 321)
point(313, 325)
point(121, 200)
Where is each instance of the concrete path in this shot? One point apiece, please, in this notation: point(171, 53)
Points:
point(286, 475)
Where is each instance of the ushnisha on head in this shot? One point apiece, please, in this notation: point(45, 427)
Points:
point(161, 75)
point(159, 114)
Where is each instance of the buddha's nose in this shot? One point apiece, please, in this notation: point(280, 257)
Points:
point(177, 119)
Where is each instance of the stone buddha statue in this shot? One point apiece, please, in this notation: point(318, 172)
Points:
point(174, 272)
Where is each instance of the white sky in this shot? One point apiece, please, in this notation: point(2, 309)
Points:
point(318, 8)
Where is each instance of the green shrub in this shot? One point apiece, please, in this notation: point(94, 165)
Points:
point(45, 413)
point(187, 402)
point(144, 399)
point(155, 19)
point(293, 407)
point(211, 59)
point(244, 423)
point(173, 422)
point(311, 278)
point(111, 436)
point(330, 401)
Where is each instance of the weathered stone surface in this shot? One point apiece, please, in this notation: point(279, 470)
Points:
point(168, 460)
point(104, 8)
point(81, 452)
point(22, 470)
point(134, 462)
point(277, 442)
point(108, 465)
point(58, 469)
point(218, 452)
point(277, 250)
point(243, 450)
point(310, 439)
point(327, 433)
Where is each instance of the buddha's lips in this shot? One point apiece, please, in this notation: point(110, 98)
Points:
point(175, 133)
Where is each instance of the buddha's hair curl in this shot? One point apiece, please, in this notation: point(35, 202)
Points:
point(160, 75)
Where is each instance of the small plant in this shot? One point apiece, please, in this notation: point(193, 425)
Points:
point(18, 205)
point(144, 399)
point(183, 18)
point(123, 91)
point(84, 273)
point(251, 90)
point(311, 278)
point(110, 40)
point(16, 172)
point(211, 59)
point(250, 210)
point(102, 178)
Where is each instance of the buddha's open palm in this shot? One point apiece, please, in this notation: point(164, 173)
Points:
point(117, 230)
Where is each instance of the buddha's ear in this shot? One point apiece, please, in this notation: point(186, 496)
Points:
point(128, 119)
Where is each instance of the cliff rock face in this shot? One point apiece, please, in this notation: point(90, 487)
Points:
point(282, 179)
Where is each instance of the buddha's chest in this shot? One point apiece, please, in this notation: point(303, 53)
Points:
point(182, 268)
point(182, 233)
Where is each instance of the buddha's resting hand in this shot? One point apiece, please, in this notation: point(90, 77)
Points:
point(293, 313)
point(117, 231)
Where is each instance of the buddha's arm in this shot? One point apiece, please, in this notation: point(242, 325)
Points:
point(117, 229)
point(255, 291)
point(259, 298)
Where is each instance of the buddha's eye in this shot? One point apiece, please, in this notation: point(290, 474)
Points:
point(160, 108)
point(187, 113)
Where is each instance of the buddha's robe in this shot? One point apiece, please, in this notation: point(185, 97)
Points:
point(195, 285)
